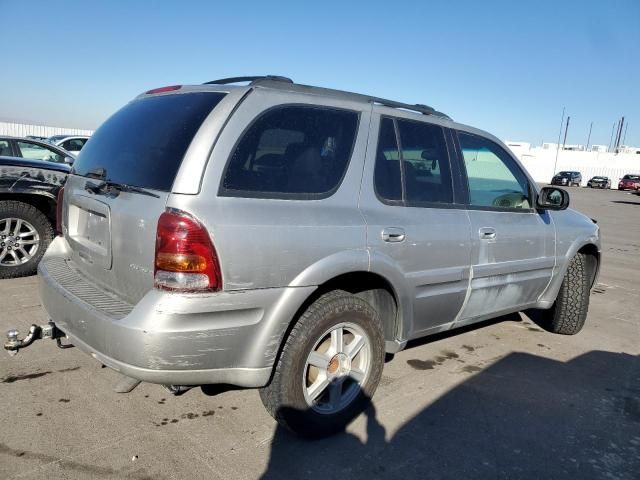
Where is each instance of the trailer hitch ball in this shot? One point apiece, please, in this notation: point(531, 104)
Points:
point(12, 342)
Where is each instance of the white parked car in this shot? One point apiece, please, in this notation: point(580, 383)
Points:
point(71, 143)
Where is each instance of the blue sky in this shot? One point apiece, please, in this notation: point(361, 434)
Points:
point(505, 66)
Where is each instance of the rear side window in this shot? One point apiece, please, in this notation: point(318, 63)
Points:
point(292, 151)
point(143, 143)
point(386, 176)
point(426, 163)
point(419, 161)
point(73, 145)
point(33, 151)
point(5, 149)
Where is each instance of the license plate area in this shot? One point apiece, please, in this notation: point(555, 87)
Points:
point(89, 230)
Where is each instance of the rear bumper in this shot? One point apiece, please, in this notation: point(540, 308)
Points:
point(168, 338)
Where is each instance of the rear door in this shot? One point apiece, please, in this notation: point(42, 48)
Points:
point(112, 233)
point(513, 251)
point(413, 221)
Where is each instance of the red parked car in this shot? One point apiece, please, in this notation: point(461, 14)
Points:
point(629, 182)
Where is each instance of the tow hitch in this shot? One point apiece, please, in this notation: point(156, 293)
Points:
point(36, 332)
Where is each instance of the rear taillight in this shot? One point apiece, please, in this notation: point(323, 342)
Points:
point(59, 203)
point(185, 257)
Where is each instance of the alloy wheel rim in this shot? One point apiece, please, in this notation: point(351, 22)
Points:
point(336, 368)
point(19, 242)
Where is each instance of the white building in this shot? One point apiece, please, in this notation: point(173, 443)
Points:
point(15, 129)
point(599, 148)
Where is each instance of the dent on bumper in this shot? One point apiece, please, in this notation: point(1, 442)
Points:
point(181, 339)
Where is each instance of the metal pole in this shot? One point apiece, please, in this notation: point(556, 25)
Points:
point(589, 137)
point(555, 164)
point(625, 133)
point(566, 129)
point(611, 139)
point(619, 134)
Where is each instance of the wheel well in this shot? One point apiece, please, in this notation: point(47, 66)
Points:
point(45, 204)
point(370, 287)
point(593, 261)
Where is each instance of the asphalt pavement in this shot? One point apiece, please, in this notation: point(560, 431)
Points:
point(500, 400)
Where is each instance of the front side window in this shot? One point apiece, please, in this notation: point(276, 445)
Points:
point(494, 178)
point(419, 162)
point(33, 151)
point(292, 152)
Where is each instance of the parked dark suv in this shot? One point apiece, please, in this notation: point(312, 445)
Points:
point(568, 179)
point(31, 175)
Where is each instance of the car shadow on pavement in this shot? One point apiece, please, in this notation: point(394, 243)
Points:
point(626, 202)
point(525, 416)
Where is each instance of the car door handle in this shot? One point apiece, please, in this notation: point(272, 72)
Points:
point(393, 234)
point(487, 233)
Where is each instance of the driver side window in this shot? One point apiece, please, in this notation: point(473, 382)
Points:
point(495, 180)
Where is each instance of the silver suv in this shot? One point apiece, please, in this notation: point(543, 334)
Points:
point(287, 237)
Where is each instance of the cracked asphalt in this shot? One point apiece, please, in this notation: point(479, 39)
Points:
point(503, 399)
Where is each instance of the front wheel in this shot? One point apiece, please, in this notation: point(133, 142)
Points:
point(329, 367)
point(25, 234)
point(569, 312)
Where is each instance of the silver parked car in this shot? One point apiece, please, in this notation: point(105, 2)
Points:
point(286, 237)
point(71, 143)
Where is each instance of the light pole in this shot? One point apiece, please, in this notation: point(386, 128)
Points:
point(589, 137)
point(555, 164)
point(612, 130)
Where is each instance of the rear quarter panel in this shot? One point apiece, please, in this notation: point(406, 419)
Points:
point(267, 243)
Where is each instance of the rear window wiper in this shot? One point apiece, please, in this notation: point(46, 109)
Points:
point(107, 186)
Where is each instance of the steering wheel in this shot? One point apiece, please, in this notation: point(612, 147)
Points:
point(511, 200)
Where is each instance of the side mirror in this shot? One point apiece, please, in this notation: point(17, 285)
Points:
point(551, 198)
point(69, 160)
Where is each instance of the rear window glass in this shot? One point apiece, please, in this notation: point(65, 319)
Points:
point(292, 151)
point(143, 143)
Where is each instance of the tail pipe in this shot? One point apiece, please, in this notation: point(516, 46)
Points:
point(36, 332)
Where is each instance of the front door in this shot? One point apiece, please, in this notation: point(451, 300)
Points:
point(513, 251)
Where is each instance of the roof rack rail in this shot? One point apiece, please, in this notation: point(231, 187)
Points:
point(273, 80)
point(424, 109)
point(226, 81)
point(417, 107)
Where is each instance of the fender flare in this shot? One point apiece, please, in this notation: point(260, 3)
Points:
point(562, 264)
point(387, 268)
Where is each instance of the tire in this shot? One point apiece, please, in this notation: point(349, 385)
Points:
point(25, 257)
point(569, 312)
point(285, 398)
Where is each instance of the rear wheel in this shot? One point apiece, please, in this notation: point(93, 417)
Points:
point(569, 312)
point(329, 367)
point(25, 234)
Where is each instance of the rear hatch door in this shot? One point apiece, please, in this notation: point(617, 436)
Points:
point(120, 185)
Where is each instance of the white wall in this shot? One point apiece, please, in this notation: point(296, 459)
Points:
point(540, 164)
point(24, 129)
